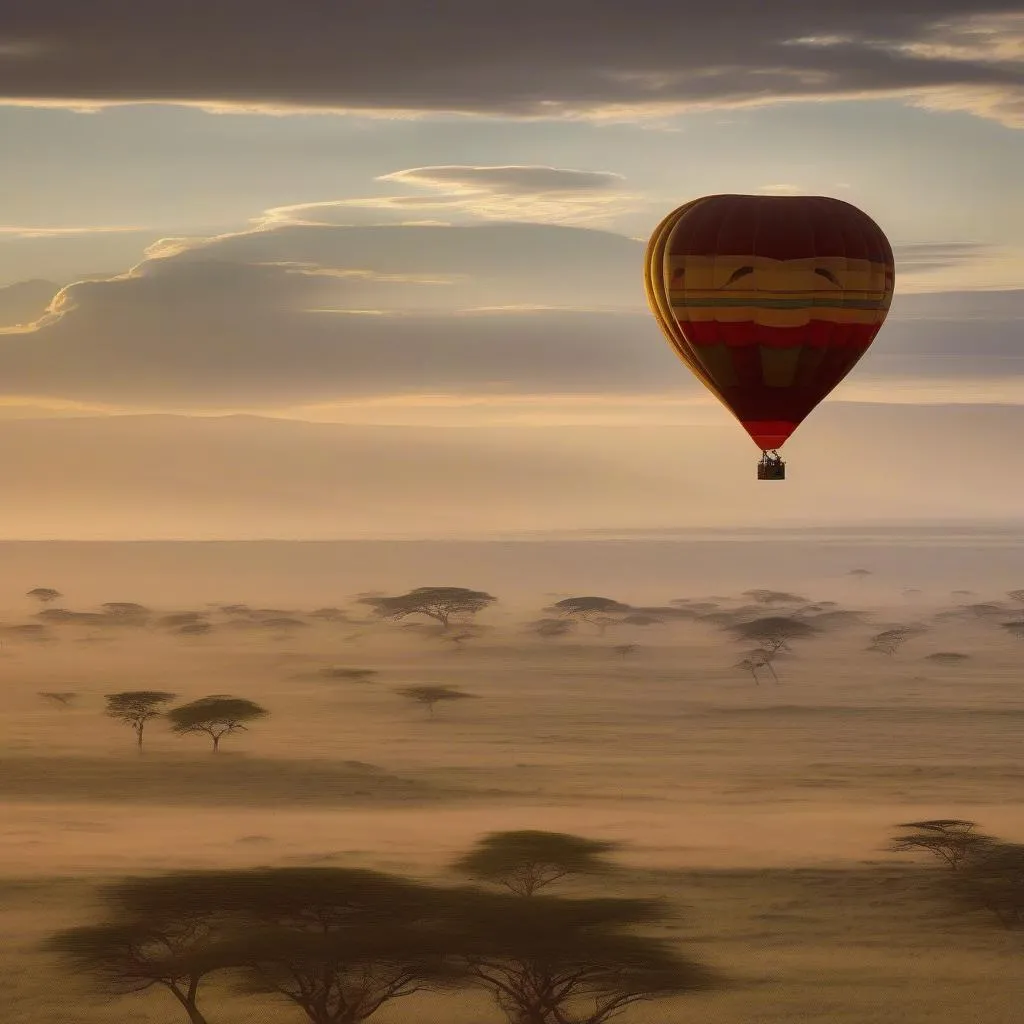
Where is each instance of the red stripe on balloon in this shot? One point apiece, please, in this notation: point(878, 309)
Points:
point(814, 334)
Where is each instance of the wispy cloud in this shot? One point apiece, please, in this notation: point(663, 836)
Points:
point(464, 193)
point(506, 180)
point(599, 59)
point(13, 231)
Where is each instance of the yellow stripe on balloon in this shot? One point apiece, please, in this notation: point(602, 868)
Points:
point(821, 275)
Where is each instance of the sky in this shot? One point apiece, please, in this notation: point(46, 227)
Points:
point(374, 269)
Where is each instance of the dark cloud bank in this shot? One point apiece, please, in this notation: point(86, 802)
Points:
point(534, 58)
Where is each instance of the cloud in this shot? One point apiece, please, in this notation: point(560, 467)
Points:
point(534, 263)
point(926, 257)
point(25, 301)
point(510, 180)
point(471, 193)
point(66, 255)
point(579, 58)
point(10, 231)
point(303, 313)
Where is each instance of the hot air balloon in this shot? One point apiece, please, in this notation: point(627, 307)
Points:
point(770, 301)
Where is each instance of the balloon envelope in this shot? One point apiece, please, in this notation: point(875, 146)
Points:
point(769, 300)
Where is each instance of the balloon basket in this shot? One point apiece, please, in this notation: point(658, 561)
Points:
point(771, 467)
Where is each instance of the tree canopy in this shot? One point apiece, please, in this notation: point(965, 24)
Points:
point(439, 603)
point(568, 961)
point(588, 608)
point(137, 707)
point(526, 861)
point(773, 632)
point(216, 716)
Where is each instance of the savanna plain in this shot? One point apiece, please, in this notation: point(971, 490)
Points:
point(736, 730)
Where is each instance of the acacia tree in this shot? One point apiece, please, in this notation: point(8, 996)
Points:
point(952, 840)
point(133, 954)
point(549, 628)
point(63, 698)
point(137, 707)
point(44, 595)
point(773, 633)
point(986, 873)
point(596, 611)
point(128, 613)
point(216, 716)
point(431, 695)
point(889, 641)
point(338, 943)
point(526, 861)
point(439, 603)
point(340, 977)
point(547, 960)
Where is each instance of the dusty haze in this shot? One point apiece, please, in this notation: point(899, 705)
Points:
point(761, 811)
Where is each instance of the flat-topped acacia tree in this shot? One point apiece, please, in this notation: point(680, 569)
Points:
point(135, 955)
point(890, 641)
point(596, 611)
point(951, 840)
point(216, 716)
point(127, 613)
point(336, 942)
point(438, 603)
point(774, 632)
point(548, 960)
point(549, 628)
point(137, 707)
point(528, 860)
point(63, 698)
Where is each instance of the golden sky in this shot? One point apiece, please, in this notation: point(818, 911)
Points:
point(419, 283)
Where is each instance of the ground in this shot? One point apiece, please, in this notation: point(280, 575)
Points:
point(762, 813)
